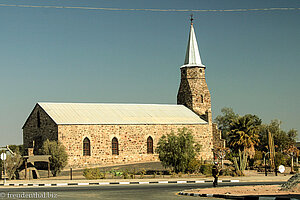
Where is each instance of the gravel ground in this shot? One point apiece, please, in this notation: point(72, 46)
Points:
point(272, 190)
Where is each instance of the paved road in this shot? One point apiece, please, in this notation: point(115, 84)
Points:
point(113, 192)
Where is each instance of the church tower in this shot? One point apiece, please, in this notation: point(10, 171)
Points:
point(193, 91)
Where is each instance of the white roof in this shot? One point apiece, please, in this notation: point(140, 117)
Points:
point(192, 56)
point(99, 113)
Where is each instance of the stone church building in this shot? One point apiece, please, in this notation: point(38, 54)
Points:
point(102, 133)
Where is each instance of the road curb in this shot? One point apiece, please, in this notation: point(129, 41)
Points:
point(226, 196)
point(115, 183)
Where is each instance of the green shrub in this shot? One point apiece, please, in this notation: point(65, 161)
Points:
point(280, 159)
point(194, 166)
point(92, 173)
point(115, 172)
point(59, 156)
point(12, 164)
point(125, 174)
point(154, 175)
point(206, 169)
point(132, 175)
point(258, 155)
point(176, 151)
point(161, 174)
point(228, 172)
point(180, 174)
point(173, 174)
point(142, 173)
point(251, 163)
point(289, 161)
point(257, 160)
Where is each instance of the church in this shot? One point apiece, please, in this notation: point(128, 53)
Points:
point(107, 133)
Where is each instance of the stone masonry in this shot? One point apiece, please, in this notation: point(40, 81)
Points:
point(132, 142)
point(217, 141)
point(193, 91)
point(31, 132)
point(132, 139)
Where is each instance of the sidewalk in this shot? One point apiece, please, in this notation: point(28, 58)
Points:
point(56, 182)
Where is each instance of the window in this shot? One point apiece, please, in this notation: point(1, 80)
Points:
point(149, 145)
point(201, 99)
point(115, 146)
point(86, 147)
point(38, 119)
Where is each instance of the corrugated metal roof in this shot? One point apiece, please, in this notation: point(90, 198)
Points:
point(94, 113)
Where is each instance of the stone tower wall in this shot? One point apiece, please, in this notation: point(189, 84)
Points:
point(193, 91)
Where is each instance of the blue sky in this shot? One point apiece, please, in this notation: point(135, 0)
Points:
point(76, 55)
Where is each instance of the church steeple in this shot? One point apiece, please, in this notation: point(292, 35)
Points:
point(193, 91)
point(192, 56)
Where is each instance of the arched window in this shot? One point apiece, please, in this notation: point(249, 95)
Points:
point(115, 146)
point(149, 145)
point(201, 98)
point(38, 119)
point(86, 147)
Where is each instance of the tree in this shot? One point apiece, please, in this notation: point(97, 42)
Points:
point(244, 135)
point(292, 151)
point(13, 162)
point(59, 156)
point(20, 148)
point(177, 151)
point(224, 121)
point(282, 140)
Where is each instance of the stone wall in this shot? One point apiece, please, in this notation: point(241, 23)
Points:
point(218, 142)
point(132, 142)
point(38, 132)
point(132, 139)
point(193, 91)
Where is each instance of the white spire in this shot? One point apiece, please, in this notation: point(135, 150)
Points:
point(192, 56)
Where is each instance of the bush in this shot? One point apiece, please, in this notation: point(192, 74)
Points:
point(177, 150)
point(251, 163)
point(18, 148)
point(228, 172)
point(258, 155)
point(59, 156)
point(194, 166)
point(125, 174)
point(257, 160)
point(142, 173)
point(91, 173)
point(115, 172)
point(13, 162)
point(206, 169)
point(280, 159)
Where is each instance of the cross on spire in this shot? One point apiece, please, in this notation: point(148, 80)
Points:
point(191, 19)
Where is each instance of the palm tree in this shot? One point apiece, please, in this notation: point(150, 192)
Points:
point(243, 134)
